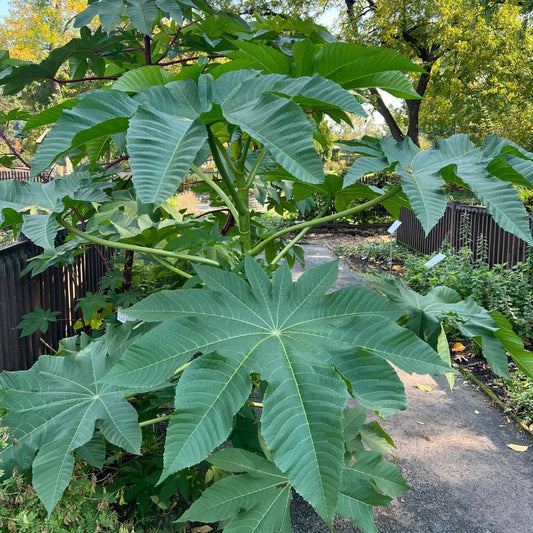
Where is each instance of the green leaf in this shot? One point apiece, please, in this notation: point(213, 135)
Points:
point(108, 11)
point(172, 9)
point(94, 451)
point(142, 15)
point(261, 57)
point(513, 344)
point(213, 389)
point(49, 115)
point(178, 98)
point(373, 467)
point(41, 229)
point(38, 320)
point(427, 312)
point(355, 67)
point(257, 501)
point(162, 149)
point(141, 78)
point(319, 93)
point(99, 113)
point(236, 460)
point(374, 382)
point(443, 349)
point(283, 127)
point(53, 409)
point(356, 500)
point(282, 332)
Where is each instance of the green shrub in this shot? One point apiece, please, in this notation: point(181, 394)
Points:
point(507, 290)
point(85, 506)
point(519, 392)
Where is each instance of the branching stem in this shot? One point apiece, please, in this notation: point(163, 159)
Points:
point(134, 248)
point(322, 220)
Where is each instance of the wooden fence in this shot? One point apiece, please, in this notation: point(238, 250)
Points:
point(19, 174)
point(56, 289)
point(464, 225)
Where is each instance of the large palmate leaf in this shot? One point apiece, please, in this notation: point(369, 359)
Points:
point(99, 113)
point(427, 312)
point(25, 196)
point(482, 169)
point(291, 336)
point(257, 500)
point(162, 149)
point(54, 408)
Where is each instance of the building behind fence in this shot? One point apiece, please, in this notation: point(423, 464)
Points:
point(56, 289)
point(464, 225)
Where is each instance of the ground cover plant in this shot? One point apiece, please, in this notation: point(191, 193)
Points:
point(234, 354)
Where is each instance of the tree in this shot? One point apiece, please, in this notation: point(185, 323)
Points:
point(476, 57)
point(33, 28)
point(233, 338)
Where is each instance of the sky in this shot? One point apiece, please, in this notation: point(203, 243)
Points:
point(3, 7)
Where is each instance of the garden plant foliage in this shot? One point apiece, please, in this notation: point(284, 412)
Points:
point(233, 335)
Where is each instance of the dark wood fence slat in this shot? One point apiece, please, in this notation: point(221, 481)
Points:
point(56, 289)
point(501, 247)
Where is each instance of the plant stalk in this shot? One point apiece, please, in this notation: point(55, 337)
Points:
point(218, 190)
point(321, 220)
point(298, 237)
point(145, 423)
point(135, 248)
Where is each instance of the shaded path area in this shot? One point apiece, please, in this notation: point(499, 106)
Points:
point(452, 449)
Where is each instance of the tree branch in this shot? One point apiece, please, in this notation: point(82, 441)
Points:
point(81, 80)
point(13, 150)
point(383, 110)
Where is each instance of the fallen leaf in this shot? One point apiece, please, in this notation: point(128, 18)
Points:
point(397, 267)
point(476, 411)
point(201, 529)
point(425, 388)
point(458, 347)
point(421, 423)
point(461, 357)
point(517, 447)
point(425, 435)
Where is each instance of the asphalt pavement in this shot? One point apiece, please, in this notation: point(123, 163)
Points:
point(451, 446)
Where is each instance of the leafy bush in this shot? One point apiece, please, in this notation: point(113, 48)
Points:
point(233, 352)
point(519, 392)
point(86, 506)
point(378, 252)
point(507, 290)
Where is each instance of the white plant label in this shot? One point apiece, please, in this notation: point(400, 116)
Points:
point(123, 317)
point(434, 260)
point(394, 227)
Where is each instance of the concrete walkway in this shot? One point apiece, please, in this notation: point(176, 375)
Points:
point(452, 449)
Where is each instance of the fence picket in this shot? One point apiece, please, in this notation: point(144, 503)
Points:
point(501, 246)
point(56, 289)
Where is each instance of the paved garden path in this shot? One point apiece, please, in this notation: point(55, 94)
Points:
point(452, 449)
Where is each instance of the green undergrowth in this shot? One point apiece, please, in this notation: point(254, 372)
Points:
point(507, 290)
point(85, 507)
point(518, 393)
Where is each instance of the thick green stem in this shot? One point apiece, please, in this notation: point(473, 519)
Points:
point(145, 423)
point(172, 268)
point(322, 220)
point(225, 198)
point(256, 166)
point(134, 248)
point(298, 237)
point(222, 170)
